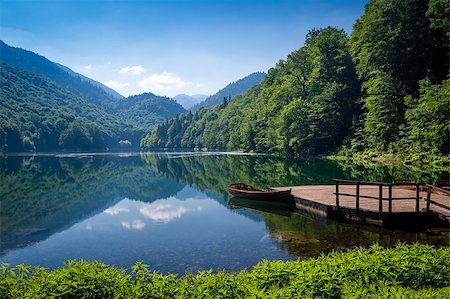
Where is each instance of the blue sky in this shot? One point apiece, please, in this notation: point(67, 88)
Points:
point(168, 47)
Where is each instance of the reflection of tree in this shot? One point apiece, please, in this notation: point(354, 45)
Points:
point(373, 171)
point(304, 236)
point(216, 172)
point(300, 234)
point(42, 195)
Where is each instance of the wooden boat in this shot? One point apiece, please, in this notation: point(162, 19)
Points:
point(246, 191)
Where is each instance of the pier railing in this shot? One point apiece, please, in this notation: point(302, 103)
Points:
point(380, 198)
point(430, 189)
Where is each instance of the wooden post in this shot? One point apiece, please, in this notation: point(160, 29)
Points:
point(417, 198)
point(428, 197)
point(357, 198)
point(337, 195)
point(381, 198)
point(390, 198)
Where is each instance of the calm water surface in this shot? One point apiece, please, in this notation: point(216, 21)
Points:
point(172, 211)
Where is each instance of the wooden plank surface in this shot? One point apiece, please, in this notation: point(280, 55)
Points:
point(324, 194)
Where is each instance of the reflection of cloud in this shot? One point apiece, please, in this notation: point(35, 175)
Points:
point(136, 224)
point(165, 212)
point(88, 227)
point(116, 210)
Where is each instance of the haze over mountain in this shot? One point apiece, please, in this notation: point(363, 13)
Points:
point(188, 101)
point(231, 90)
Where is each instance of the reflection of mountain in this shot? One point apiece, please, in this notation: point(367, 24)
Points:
point(43, 195)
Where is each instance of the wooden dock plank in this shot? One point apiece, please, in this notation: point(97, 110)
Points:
point(324, 194)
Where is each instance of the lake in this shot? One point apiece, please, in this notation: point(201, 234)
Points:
point(172, 210)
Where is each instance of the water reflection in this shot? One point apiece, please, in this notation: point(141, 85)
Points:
point(173, 212)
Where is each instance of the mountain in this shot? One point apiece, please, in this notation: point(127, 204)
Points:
point(47, 106)
point(147, 110)
point(62, 76)
point(231, 90)
point(38, 115)
point(105, 88)
point(188, 101)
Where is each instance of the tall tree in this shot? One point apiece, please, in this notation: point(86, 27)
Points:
point(394, 47)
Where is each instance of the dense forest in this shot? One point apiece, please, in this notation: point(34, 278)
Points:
point(231, 90)
point(48, 107)
point(37, 115)
point(382, 90)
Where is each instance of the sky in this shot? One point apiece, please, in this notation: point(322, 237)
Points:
point(169, 47)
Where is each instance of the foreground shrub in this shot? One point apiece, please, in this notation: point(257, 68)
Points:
point(406, 271)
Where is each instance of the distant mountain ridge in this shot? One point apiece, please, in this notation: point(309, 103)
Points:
point(189, 101)
point(231, 90)
point(105, 88)
point(60, 75)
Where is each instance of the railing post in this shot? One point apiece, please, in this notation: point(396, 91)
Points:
point(390, 198)
point(428, 197)
point(357, 198)
point(381, 198)
point(417, 198)
point(337, 195)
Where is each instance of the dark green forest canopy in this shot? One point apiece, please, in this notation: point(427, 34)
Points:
point(315, 88)
point(147, 110)
point(35, 114)
point(383, 90)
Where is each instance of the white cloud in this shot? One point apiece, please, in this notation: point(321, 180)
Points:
point(163, 212)
point(115, 210)
point(162, 82)
point(116, 85)
point(136, 224)
point(88, 67)
point(134, 70)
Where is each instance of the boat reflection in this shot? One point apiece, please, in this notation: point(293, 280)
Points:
point(282, 209)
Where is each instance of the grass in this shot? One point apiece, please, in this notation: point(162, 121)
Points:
point(405, 271)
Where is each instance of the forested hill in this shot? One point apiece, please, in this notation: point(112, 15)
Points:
point(384, 89)
point(147, 110)
point(60, 75)
point(46, 106)
point(37, 115)
point(231, 90)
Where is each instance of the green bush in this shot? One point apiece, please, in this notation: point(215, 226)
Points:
point(406, 271)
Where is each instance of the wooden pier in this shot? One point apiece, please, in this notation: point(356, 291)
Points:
point(401, 203)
